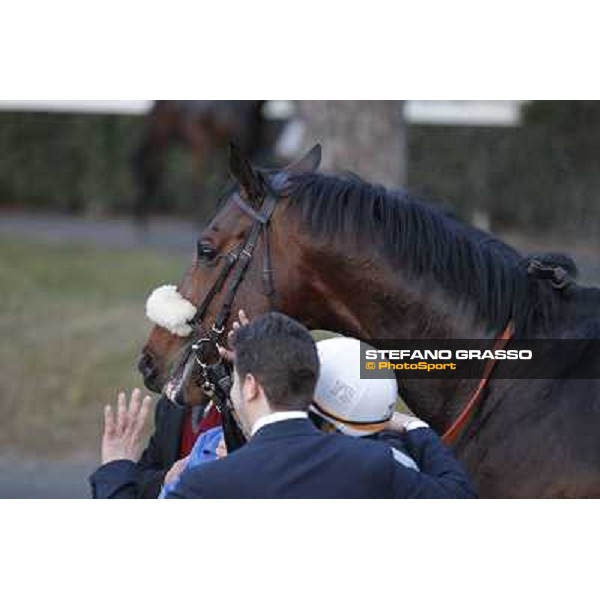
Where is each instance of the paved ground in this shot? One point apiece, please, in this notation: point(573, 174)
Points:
point(165, 234)
point(35, 477)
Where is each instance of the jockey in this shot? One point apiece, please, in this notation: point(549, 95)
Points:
point(363, 408)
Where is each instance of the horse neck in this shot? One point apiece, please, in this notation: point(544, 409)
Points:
point(360, 297)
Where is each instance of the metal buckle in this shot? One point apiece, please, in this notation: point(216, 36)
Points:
point(196, 347)
point(198, 344)
point(218, 331)
point(208, 388)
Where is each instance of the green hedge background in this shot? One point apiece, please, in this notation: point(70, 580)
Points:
point(542, 175)
point(67, 161)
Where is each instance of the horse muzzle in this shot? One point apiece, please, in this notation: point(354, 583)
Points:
point(149, 371)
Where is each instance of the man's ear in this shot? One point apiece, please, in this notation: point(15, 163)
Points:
point(309, 162)
point(242, 171)
point(251, 387)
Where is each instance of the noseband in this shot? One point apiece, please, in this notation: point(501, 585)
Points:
point(236, 264)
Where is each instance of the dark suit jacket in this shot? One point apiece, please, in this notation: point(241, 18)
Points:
point(293, 459)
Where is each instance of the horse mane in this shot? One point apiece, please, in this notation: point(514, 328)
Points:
point(478, 270)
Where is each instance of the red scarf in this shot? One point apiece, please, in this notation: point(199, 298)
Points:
point(212, 418)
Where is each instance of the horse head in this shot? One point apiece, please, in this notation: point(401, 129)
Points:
point(243, 256)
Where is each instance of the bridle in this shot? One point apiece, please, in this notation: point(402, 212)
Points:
point(240, 258)
point(234, 269)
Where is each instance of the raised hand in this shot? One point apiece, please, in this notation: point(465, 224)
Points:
point(123, 437)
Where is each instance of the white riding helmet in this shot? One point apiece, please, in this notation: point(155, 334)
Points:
point(355, 406)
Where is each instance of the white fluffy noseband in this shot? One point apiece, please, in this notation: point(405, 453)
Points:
point(169, 309)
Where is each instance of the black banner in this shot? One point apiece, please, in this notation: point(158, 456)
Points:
point(467, 359)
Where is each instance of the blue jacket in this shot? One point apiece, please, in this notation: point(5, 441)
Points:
point(204, 450)
point(293, 459)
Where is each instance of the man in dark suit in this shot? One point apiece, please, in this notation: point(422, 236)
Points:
point(276, 370)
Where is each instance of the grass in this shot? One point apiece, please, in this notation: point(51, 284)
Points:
point(71, 327)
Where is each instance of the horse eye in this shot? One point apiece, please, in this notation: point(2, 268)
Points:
point(206, 252)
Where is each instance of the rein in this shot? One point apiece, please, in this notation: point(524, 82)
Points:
point(453, 432)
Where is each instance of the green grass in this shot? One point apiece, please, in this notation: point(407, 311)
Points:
point(71, 327)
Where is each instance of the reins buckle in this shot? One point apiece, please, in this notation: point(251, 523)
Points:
point(208, 388)
point(198, 344)
point(196, 349)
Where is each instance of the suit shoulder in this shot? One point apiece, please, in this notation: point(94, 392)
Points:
point(361, 448)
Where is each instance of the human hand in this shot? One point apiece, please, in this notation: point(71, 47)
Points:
point(176, 470)
point(226, 354)
point(399, 421)
point(222, 448)
point(123, 436)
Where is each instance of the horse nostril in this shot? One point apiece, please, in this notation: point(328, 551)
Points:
point(146, 366)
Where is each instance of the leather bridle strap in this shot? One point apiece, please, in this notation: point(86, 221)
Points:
point(240, 259)
point(454, 431)
point(245, 256)
point(259, 217)
point(230, 260)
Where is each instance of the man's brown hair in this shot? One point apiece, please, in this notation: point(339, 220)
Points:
point(281, 354)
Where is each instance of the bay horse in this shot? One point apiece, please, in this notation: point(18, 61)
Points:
point(340, 254)
point(203, 126)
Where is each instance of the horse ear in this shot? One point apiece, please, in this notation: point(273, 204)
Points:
point(309, 162)
point(243, 172)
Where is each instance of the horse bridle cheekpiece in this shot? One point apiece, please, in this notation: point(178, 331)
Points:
point(168, 309)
